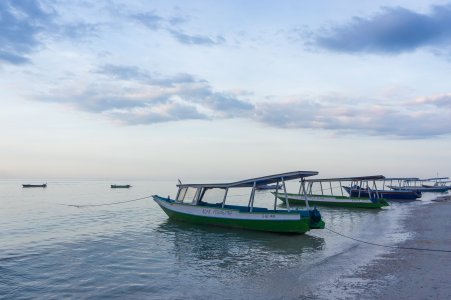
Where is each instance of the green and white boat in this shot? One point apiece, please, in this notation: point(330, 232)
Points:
point(194, 204)
point(324, 195)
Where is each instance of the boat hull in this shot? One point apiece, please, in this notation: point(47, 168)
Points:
point(392, 195)
point(337, 201)
point(34, 185)
point(298, 222)
point(116, 186)
point(422, 189)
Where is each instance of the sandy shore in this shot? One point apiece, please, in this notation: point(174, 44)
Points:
point(362, 271)
point(410, 274)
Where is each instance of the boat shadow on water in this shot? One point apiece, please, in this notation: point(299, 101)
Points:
point(208, 251)
point(204, 239)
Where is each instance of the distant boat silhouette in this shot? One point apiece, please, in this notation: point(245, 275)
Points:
point(34, 185)
point(120, 186)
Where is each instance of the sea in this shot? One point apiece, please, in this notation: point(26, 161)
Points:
point(81, 239)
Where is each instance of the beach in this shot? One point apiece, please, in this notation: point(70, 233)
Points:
point(412, 274)
point(409, 274)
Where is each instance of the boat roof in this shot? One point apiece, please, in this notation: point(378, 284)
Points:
point(357, 178)
point(258, 181)
point(403, 178)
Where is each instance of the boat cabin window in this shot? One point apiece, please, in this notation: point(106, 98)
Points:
point(187, 195)
point(212, 196)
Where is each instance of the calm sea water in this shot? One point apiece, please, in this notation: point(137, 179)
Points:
point(49, 250)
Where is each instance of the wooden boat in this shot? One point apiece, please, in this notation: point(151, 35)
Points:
point(194, 204)
point(372, 200)
point(120, 186)
point(433, 189)
point(416, 184)
point(34, 185)
point(355, 191)
point(439, 184)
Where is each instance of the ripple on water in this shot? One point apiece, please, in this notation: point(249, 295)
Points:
point(52, 251)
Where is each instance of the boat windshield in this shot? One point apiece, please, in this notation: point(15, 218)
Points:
point(187, 195)
point(200, 196)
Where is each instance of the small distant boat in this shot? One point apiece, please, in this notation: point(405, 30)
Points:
point(195, 204)
point(120, 186)
point(34, 185)
point(268, 187)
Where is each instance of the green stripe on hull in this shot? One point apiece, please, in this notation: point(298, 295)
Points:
point(342, 202)
point(287, 226)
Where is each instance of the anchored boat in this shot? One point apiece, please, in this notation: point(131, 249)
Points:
point(34, 185)
point(356, 190)
point(324, 194)
point(194, 203)
point(120, 186)
point(416, 184)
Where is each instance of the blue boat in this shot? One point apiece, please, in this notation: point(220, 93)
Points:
point(356, 191)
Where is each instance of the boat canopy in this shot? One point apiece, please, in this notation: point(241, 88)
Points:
point(360, 178)
point(403, 178)
point(253, 181)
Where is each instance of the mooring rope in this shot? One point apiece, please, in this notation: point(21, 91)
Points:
point(387, 246)
point(105, 204)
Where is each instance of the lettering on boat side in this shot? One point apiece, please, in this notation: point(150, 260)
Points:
point(216, 212)
point(268, 216)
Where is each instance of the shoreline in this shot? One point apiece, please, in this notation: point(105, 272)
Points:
point(405, 273)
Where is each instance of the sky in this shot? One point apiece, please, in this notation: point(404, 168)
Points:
point(162, 90)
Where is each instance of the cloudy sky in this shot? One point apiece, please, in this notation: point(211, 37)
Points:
point(224, 89)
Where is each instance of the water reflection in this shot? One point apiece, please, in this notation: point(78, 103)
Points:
point(237, 252)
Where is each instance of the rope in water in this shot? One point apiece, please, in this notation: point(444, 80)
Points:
point(338, 233)
point(105, 204)
point(388, 246)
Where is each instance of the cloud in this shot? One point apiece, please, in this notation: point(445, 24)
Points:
point(133, 73)
point(130, 95)
point(78, 31)
point(155, 22)
point(167, 112)
point(26, 25)
point(187, 39)
point(21, 23)
point(124, 72)
point(439, 101)
point(391, 31)
point(414, 120)
point(150, 20)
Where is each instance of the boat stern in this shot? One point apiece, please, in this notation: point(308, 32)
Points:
point(316, 221)
point(380, 202)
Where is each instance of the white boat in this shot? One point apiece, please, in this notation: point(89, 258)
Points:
point(194, 203)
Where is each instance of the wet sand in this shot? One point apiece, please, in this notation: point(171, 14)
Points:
point(411, 274)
